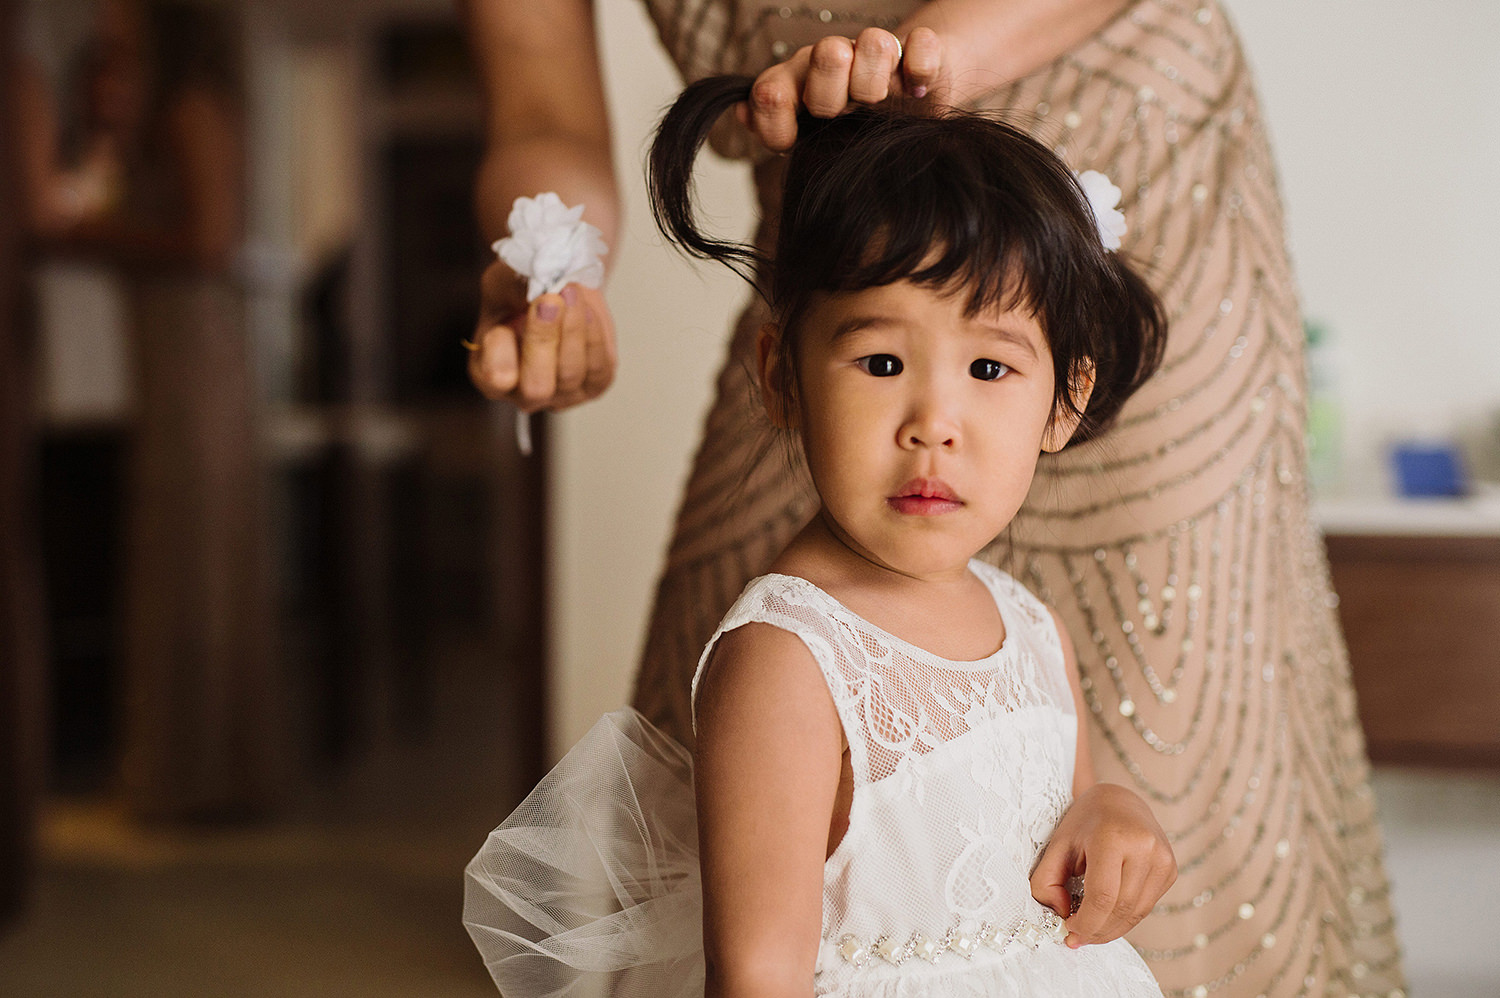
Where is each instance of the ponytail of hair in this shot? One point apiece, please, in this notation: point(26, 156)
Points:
point(669, 171)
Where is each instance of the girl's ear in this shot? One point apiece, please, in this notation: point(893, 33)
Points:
point(1064, 422)
point(773, 379)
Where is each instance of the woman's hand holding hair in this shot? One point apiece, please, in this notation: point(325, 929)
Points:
point(835, 73)
point(952, 50)
point(1111, 839)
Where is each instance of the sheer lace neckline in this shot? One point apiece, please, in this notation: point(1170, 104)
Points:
point(1007, 620)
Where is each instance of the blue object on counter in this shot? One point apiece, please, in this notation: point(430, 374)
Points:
point(1429, 470)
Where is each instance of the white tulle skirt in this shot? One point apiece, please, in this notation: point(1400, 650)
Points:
point(591, 887)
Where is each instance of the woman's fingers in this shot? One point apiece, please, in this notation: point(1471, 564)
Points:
point(774, 98)
point(877, 54)
point(494, 363)
point(600, 356)
point(554, 353)
point(495, 360)
point(541, 341)
point(825, 92)
point(922, 62)
point(830, 75)
point(572, 348)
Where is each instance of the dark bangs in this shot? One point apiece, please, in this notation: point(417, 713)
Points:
point(951, 201)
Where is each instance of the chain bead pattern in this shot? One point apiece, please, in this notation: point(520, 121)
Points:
point(955, 942)
point(1177, 548)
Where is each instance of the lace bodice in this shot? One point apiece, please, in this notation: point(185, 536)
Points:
point(961, 772)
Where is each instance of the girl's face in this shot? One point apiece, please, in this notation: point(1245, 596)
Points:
point(921, 425)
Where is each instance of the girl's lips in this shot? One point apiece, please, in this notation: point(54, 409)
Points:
point(925, 497)
point(923, 506)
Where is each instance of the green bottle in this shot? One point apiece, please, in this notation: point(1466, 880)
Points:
point(1324, 420)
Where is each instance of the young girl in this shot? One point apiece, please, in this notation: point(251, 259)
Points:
point(893, 793)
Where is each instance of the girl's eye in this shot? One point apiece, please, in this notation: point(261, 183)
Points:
point(881, 365)
point(988, 370)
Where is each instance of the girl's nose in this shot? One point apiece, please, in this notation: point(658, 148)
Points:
point(930, 425)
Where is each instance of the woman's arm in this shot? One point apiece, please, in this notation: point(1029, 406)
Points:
point(1108, 836)
point(766, 770)
point(546, 129)
point(988, 43)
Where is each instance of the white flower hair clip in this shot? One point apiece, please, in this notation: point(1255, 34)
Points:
point(1103, 198)
point(551, 246)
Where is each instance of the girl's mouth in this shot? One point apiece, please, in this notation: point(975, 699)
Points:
point(925, 497)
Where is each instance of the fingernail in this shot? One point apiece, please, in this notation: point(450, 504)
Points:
point(570, 294)
point(919, 92)
point(548, 311)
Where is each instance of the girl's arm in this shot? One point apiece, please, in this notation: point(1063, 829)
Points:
point(1108, 836)
point(546, 129)
point(766, 771)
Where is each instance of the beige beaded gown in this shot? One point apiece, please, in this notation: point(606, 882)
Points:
point(1177, 547)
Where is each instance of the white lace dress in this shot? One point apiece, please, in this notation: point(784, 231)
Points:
point(961, 772)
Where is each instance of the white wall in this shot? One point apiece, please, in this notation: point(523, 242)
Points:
point(1386, 120)
point(621, 461)
point(1387, 125)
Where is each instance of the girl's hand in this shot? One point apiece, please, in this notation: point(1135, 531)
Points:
point(554, 353)
point(835, 73)
point(1110, 837)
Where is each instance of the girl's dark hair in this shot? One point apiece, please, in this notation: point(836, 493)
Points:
point(951, 199)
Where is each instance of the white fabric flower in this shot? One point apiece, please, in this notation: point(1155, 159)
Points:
point(551, 245)
point(1103, 198)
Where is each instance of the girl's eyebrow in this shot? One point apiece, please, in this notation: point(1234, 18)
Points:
point(857, 323)
point(1009, 335)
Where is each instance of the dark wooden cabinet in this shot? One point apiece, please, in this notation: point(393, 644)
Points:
point(1421, 615)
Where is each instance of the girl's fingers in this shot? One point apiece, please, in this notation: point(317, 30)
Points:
point(540, 343)
point(877, 53)
point(1049, 880)
point(1135, 902)
point(922, 61)
point(1101, 896)
point(825, 93)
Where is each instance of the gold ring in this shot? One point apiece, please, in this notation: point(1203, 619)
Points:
point(469, 345)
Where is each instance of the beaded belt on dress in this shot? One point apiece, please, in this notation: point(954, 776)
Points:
point(895, 950)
